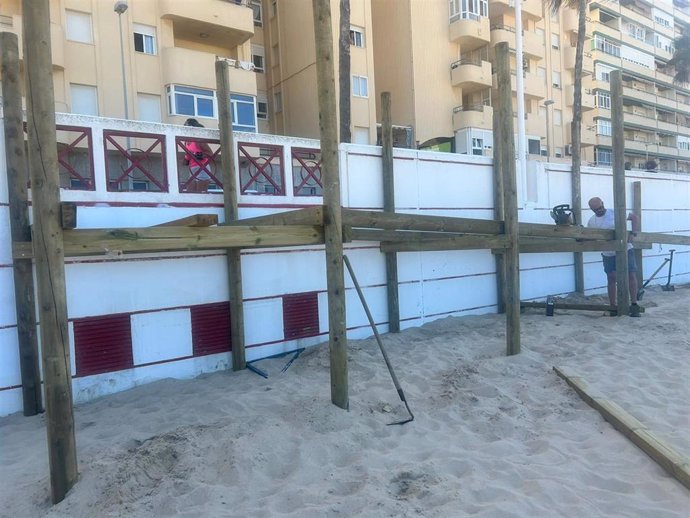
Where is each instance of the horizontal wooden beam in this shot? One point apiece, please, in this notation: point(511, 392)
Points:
point(68, 214)
point(397, 221)
point(563, 231)
point(449, 243)
point(393, 236)
point(169, 239)
point(562, 245)
point(196, 220)
point(675, 463)
point(567, 305)
point(661, 238)
point(311, 216)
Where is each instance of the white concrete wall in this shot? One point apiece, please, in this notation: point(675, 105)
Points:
point(158, 290)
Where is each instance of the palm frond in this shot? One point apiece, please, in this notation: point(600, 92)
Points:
point(681, 58)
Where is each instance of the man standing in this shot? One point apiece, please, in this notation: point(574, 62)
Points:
point(603, 218)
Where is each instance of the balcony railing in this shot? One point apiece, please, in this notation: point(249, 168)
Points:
point(466, 61)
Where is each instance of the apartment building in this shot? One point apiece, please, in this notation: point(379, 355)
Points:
point(434, 56)
point(439, 70)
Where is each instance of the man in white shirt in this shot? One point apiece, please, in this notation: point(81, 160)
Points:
point(604, 218)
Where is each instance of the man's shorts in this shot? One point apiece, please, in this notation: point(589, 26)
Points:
point(610, 262)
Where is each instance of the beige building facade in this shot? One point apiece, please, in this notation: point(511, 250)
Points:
point(434, 56)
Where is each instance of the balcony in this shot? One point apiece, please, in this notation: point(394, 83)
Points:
point(530, 8)
point(588, 136)
point(671, 127)
point(473, 116)
point(587, 62)
point(571, 22)
point(640, 95)
point(587, 98)
point(210, 22)
point(242, 79)
point(533, 45)
point(57, 41)
point(668, 150)
point(641, 146)
point(639, 120)
point(662, 100)
point(471, 75)
point(535, 86)
point(470, 34)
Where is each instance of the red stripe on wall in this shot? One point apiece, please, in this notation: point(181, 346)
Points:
point(103, 344)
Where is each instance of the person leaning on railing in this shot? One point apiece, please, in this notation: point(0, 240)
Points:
point(197, 158)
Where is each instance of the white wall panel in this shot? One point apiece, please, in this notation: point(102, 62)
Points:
point(162, 335)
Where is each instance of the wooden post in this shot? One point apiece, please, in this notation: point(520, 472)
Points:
point(499, 215)
point(622, 283)
point(230, 194)
point(48, 247)
point(637, 210)
point(389, 206)
point(578, 257)
point(332, 217)
point(15, 158)
point(505, 143)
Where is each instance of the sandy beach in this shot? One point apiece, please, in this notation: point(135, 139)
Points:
point(493, 436)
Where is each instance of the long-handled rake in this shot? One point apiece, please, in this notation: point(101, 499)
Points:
point(378, 340)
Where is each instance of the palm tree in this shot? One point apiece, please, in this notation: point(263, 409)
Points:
point(576, 126)
point(681, 58)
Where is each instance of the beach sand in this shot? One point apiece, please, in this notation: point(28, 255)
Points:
point(493, 436)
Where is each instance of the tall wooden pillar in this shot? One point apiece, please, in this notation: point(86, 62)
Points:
point(48, 247)
point(332, 217)
point(230, 206)
point(505, 143)
point(389, 206)
point(15, 158)
point(623, 285)
point(637, 210)
point(498, 215)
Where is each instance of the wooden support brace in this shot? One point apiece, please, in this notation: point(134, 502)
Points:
point(397, 221)
point(449, 243)
point(307, 216)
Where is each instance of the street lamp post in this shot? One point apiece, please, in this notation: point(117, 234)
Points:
point(121, 7)
point(548, 103)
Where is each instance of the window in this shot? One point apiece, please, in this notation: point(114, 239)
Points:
point(606, 46)
point(544, 151)
point(541, 72)
point(275, 55)
point(195, 102)
point(357, 37)
point(274, 8)
point(79, 27)
point(559, 152)
point(534, 146)
point(84, 99)
point(144, 39)
point(149, 107)
point(555, 41)
point(604, 127)
point(360, 135)
point(603, 156)
point(262, 107)
point(243, 112)
point(477, 146)
point(603, 100)
point(360, 86)
point(636, 32)
point(542, 112)
point(556, 79)
point(468, 9)
point(278, 102)
point(258, 14)
point(558, 118)
point(258, 58)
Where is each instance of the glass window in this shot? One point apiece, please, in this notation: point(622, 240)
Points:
point(258, 14)
point(84, 99)
point(360, 86)
point(558, 117)
point(604, 127)
point(243, 112)
point(357, 37)
point(144, 39)
point(556, 79)
point(555, 41)
point(258, 57)
point(78, 27)
point(278, 102)
point(262, 107)
point(603, 100)
point(195, 102)
point(149, 107)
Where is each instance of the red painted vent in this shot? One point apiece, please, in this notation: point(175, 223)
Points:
point(103, 344)
point(211, 328)
point(300, 315)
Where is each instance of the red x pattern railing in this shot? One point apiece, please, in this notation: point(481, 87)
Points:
point(261, 169)
point(133, 168)
point(306, 172)
point(187, 174)
point(75, 158)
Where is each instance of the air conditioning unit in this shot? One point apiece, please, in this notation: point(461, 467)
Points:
point(568, 150)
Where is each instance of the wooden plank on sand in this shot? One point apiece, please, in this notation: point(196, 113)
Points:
point(673, 462)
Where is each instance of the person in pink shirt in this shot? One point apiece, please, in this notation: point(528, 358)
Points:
point(197, 158)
